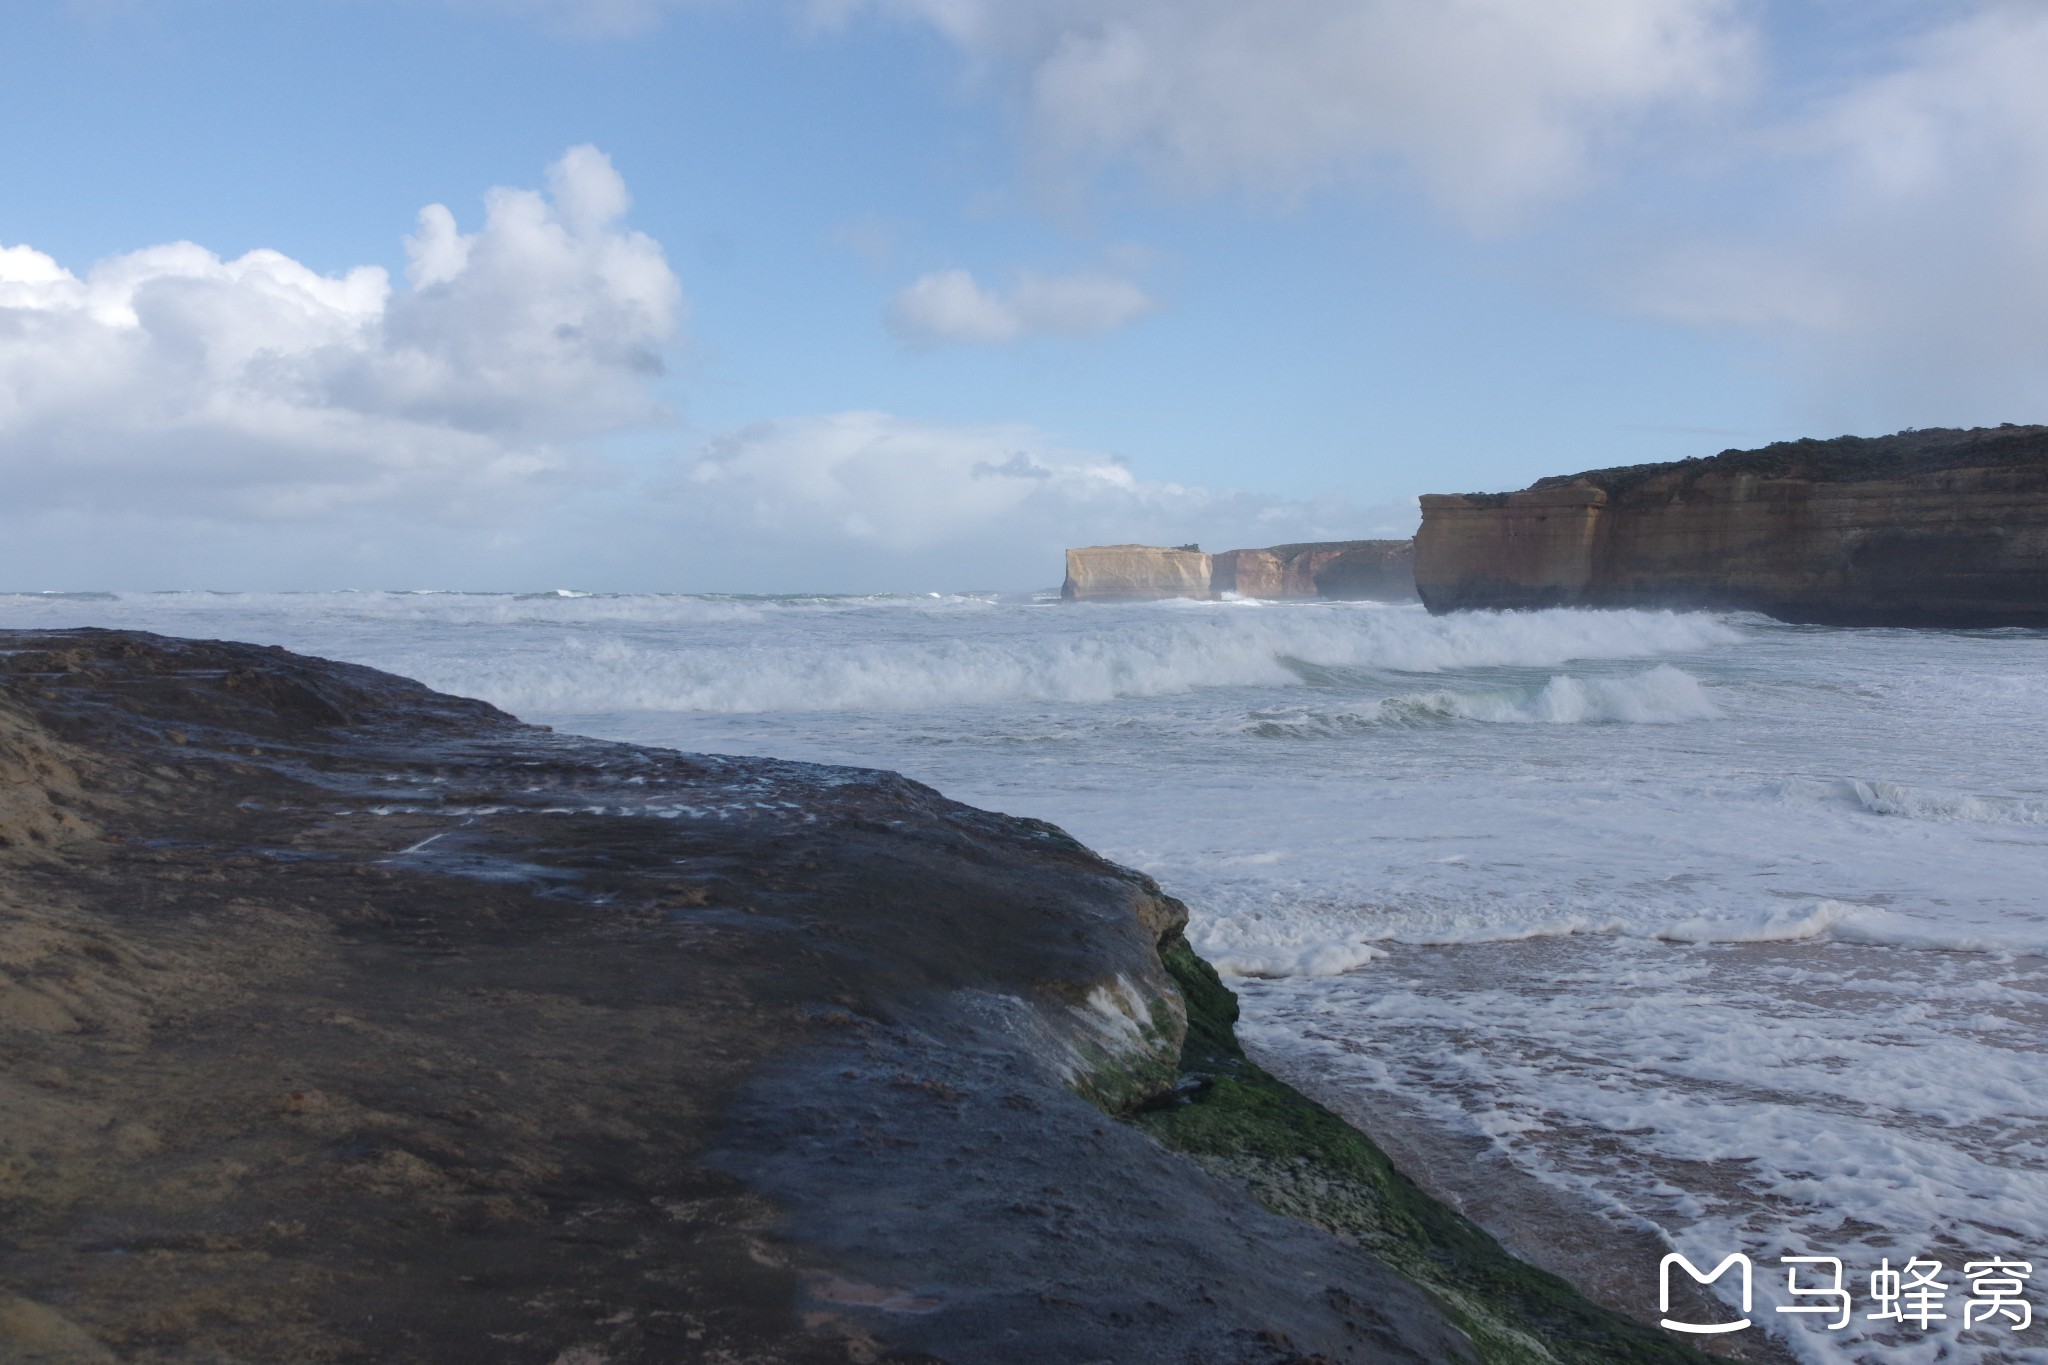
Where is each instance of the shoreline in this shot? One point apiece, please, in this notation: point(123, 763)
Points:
point(1538, 1224)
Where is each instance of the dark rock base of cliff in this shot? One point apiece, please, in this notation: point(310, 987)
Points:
point(344, 1021)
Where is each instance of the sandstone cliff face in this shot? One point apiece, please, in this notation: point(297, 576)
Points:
point(1930, 528)
point(1345, 570)
point(1257, 573)
point(1111, 573)
point(1363, 570)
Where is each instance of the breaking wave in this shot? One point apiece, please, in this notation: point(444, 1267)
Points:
point(1660, 696)
point(1928, 803)
point(1096, 656)
point(1897, 800)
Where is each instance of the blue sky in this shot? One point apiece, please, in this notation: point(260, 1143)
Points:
point(906, 294)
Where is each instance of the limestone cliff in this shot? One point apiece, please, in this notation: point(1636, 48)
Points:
point(1343, 570)
point(1923, 528)
point(1346, 570)
point(1111, 573)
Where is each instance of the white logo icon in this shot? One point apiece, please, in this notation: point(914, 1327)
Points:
point(1664, 1290)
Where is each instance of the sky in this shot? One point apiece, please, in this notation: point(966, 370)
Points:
point(907, 295)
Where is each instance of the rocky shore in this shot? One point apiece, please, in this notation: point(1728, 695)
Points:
point(1922, 528)
point(344, 1021)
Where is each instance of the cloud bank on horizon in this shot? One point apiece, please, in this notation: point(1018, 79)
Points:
point(509, 405)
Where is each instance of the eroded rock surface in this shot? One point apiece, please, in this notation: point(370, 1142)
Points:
point(345, 1021)
point(1924, 528)
point(1338, 570)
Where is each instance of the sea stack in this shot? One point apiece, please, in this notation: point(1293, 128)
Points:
point(1922, 528)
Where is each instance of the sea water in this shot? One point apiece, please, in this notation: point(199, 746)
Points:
point(1628, 931)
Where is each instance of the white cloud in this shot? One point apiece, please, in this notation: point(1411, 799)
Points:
point(952, 306)
point(173, 380)
point(1900, 254)
point(1495, 106)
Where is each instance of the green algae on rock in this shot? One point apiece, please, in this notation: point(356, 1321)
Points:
point(1297, 1158)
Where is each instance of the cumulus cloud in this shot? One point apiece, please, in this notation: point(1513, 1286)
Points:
point(1494, 106)
point(905, 503)
point(173, 380)
point(953, 306)
point(1897, 243)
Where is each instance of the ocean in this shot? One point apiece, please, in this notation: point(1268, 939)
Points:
point(1630, 932)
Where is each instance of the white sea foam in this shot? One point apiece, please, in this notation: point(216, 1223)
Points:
point(1311, 949)
point(1919, 803)
point(1300, 941)
point(1762, 1100)
point(1837, 922)
point(1660, 696)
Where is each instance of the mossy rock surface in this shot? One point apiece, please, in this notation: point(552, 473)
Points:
point(1242, 1123)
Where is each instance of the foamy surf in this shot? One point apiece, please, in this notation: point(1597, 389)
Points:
point(1278, 945)
point(1660, 696)
point(1098, 657)
point(1917, 803)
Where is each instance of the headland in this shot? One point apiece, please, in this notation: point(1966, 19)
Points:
point(1921, 528)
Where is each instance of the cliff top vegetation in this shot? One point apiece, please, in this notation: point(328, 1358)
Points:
point(1844, 459)
point(1288, 552)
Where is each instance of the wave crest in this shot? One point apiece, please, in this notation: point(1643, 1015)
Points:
point(1099, 655)
point(1949, 807)
point(1659, 696)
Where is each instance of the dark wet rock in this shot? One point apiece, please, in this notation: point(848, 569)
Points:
point(345, 1021)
